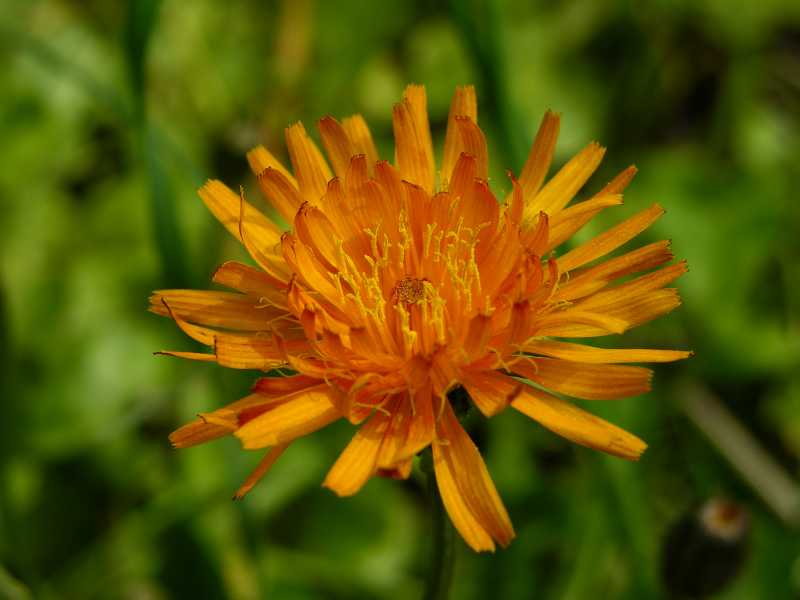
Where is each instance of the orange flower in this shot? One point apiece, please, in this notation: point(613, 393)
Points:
point(399, 283)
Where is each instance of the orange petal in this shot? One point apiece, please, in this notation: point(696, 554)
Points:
point(541, 155)
point(234, 213)
point(280, 192)
point(589, 354)
point(204, 335)
point(610, 240)
point(463, 175)
point(337, 144)
point(577, 425)
point(197, 432)
point(464, 104)
point(622, 294)
point(249, 280)
point(578, 323)
point(201, 356)
point(515, 202)
point(569, 221)
point(396, 433)
point(477, 337)
point(638, 309)
point(316, 231)
point(586, 282)
point(282, 386)
point(620, 182)
point(303, 413)
point(216, 309)
point(308, 268)
point(270, 458)
point(455, 503)
point(261, 159)
point(588, 381)
point(208, 427)
point(412, 134)
point(358, 462)
point(474, 143)
point(536, 236)
point(309, 166)
point(361, 138)
point(422, 427)
point(473, 482)
point(401, 470)
point(250, 352)
point(490, 391)
point(565, 184)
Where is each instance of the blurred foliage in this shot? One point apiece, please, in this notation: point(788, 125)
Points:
point(111, 115)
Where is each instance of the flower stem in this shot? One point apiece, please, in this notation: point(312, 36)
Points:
point(440, 574)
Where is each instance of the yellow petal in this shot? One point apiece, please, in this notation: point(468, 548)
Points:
point(358, 462)
point(457, 460)
point(249, 351)
point(638, 309)
point(238, 216)
point(204, 429)
point(622, 294)
point(303, 413)
point(588, 381)
point(216, 309)
point(588, 354)
point(569, 221)
point(610, 240)
point(577, 425)
point(541, 155)
point(261, 159)
point(201, 356)
point(464, 520)
point(578, 323)
point(558, 192)
point(590, 280)
point(620, 182)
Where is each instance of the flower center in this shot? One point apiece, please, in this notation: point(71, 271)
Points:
point(410, 290)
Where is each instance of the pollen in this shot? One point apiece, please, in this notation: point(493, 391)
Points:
point(410, 290)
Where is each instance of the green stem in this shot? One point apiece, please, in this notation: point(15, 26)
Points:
point(440, 574)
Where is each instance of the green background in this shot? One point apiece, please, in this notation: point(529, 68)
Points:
point(113, 113)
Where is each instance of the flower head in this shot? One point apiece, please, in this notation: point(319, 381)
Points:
point(400, 282)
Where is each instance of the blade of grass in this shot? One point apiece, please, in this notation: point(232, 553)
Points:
point(743, 451)
point(141, 23)
point(481, 30)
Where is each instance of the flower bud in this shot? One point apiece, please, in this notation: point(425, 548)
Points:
point(705, 549)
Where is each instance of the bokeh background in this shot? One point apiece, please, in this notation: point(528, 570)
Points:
point(113, 113)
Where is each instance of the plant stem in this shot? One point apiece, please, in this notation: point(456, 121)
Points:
point(440, 573)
